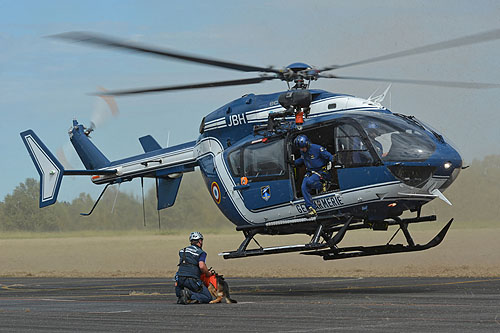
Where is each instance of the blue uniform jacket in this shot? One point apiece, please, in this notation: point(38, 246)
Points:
point(315, 158)
point(189, 257)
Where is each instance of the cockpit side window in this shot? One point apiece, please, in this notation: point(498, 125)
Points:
point(235, 163)
point(395, 139)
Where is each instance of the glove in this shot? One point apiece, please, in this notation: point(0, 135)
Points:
point(329, 166)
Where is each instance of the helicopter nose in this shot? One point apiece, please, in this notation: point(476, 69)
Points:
point(450, 167)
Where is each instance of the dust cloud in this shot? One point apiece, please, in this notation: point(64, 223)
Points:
point(463, 253)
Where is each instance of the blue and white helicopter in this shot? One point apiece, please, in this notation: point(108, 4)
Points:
point(385, 163)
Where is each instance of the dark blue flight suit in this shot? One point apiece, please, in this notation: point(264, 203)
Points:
point(315, 159)
point(188, 275)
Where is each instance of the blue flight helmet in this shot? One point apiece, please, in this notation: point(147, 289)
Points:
point(302, 141)
point(372, 129)
point(194, 236)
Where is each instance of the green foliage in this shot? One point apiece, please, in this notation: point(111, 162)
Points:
point(20, 210)
point(194, 208)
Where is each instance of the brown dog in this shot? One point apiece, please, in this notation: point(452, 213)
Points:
point(218, 287)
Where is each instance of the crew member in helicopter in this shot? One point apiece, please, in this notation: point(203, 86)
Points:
point(373, 132)
point(188, 286)
point(317, 161)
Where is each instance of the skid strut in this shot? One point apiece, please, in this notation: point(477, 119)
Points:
point(97, 201)
point(328, 248)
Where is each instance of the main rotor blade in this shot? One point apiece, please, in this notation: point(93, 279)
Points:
point(451, 84)
point(104, 41)
point(462, 41)
point(187, 86)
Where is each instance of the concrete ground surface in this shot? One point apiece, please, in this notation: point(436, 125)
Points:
point(343, 304)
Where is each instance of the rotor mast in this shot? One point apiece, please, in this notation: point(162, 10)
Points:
point(299, 73)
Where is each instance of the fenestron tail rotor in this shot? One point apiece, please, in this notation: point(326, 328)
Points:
point(300, 74)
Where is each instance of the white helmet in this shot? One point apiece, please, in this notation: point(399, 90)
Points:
point(195, 236)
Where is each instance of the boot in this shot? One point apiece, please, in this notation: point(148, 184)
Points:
point(185, 297)
point(312, 212)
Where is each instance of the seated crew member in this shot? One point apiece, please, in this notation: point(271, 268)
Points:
point(316, 159)
point(373, 132)
point(188, 286)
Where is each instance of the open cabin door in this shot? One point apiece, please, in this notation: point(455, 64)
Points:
point(323, 135)
point(356, 161)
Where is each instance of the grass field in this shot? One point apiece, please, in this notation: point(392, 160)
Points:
point(464, 252)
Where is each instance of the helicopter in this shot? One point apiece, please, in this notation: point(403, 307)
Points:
point(385, 163)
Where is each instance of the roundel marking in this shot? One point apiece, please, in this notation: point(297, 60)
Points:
point(216, 192)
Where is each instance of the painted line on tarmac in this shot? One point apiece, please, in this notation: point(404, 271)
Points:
point(106, 287)
point(246, 303)
point(8, 287)
point(110, 312)
point(236, 292)
point(302, 283)
point(78, 298)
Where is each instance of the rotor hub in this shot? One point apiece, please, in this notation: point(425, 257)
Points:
point(298, 67)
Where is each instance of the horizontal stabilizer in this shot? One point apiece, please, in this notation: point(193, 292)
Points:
point(50, 170)
point(148, 143)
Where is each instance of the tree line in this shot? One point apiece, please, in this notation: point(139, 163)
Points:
point(474, 196)
point(117, 210)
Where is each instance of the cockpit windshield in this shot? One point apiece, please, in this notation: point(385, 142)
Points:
point(397, 138)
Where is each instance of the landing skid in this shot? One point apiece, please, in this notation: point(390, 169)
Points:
point(327, 248)
point(363, 251)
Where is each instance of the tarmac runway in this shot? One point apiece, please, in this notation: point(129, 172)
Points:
point(264, 304)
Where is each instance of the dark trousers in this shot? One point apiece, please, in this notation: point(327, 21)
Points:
point(199, 292)
point(309, 183)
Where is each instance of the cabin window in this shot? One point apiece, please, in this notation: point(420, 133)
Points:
point(259, 160)
point(264, 159)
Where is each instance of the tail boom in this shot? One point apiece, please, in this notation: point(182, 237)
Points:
point(166, 164)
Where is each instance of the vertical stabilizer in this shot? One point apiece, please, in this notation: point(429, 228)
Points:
point(166, 190)
point(90, 155)
point(148, 143)
point(48, 167)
